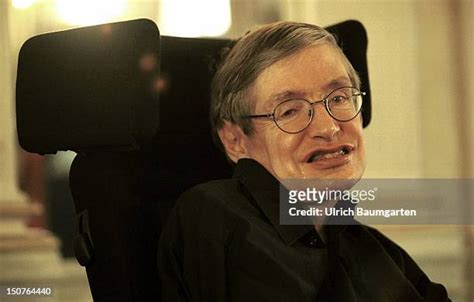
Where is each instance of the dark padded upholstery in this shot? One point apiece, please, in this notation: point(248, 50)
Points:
point(352, 38)
point(94, 91)
point(86, 89)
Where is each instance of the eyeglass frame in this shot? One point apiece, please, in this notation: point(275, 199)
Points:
point(324, 101)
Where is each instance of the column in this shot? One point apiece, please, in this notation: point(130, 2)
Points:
point(28, 257)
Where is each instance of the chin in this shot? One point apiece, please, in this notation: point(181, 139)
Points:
point(344, 172)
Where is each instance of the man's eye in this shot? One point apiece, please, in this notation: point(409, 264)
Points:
point(339, 99)
point(289, 113)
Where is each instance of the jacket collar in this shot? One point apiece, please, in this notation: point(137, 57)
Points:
point(265, 190)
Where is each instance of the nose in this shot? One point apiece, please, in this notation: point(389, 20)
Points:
point(322, 125)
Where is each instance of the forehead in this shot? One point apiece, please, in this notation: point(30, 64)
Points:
point(309, 73)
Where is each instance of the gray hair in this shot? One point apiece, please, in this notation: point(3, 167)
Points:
point(248, 57)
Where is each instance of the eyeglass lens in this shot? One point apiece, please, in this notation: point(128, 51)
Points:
point(295, 115)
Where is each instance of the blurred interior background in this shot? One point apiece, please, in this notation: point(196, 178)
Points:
point(421, 68)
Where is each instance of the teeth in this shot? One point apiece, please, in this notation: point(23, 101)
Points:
point(319, 155)
point(331, 155)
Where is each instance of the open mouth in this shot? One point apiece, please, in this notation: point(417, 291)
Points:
point(329, 154)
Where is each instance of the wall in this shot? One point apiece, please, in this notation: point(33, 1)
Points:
point(412, 66)
point(421, 70)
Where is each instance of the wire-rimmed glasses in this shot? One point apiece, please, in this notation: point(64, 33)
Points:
point(294, 115)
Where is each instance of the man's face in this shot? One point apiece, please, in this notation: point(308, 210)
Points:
point(311, 73)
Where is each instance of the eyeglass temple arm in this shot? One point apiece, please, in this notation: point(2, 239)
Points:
point(269, 115)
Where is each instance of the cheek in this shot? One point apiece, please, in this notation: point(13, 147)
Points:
point(283, 143)
point(354, 132)
point(284, 153)
point(284, 147)
point(362, 152)
point(358, 136)
point(278, 152)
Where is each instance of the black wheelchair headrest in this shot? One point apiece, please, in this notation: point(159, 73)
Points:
point(90, 88)
point(96, 88)
point(352, 38)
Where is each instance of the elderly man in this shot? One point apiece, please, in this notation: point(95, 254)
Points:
point(285, 105)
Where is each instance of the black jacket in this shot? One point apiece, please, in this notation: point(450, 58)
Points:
point(223, 242)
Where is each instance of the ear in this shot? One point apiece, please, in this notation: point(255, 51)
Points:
point(233, 139)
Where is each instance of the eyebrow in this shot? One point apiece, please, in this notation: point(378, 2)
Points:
point(341, 81)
